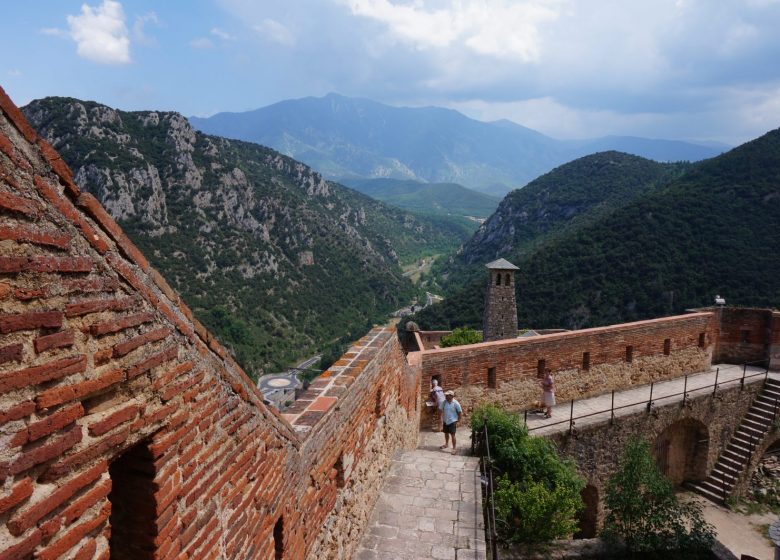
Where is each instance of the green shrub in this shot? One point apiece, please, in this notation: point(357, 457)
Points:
point(644, 512)
point(460, 336)
point(537, 497)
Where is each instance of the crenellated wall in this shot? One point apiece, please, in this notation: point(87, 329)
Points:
point(584, 363)
point(127, 431)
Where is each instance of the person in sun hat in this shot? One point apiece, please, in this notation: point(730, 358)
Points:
point(451, 411)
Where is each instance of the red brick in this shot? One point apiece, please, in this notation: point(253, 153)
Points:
point(73, 536)
point(61, 339)
point(160, 358)
point(113, 420)
point(58, 166)
point(7, 147)
point(128, 346)
point(17, 412)
point(19, 493)
point(49, 371)
point(23, 549)
point(102, 357)
point(86, 285)
point(13, 264)
point(24, 294)
point(11, 322)
point(97, 305)
point(16, 117)
point(77, 508)
point(22, 521)
point(95, 210)
point(50, 424)
point(31, 234)
point(59, 264)
point(46, 452)
point(18, 204)
point(11, 353)
point(75, 460)
point(87, 551)
point(116, 325)
point(50, 528)
point(166, 377)
point(65, 393)
point(5, 289)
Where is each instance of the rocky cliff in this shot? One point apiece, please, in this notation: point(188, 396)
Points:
point(272, 257)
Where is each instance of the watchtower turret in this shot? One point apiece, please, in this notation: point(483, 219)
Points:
point(500, 318)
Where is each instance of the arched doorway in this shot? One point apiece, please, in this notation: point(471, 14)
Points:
point(680, 451)
point(589, 517)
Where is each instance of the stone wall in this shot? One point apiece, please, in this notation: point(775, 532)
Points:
point(584, 363)
point(596, 448)
point(127, 431)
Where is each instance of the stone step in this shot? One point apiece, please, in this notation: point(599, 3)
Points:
point(760, 419)
point(706, 492)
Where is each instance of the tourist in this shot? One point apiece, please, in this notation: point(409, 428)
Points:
point(451, 411)
point(435, 401)
point(548, 393)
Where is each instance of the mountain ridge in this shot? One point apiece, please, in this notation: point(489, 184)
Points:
point(263, 249)
point(360, 138)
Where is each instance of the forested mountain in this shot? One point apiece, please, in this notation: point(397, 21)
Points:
point(346, 137)
point(274, 259)
point(448, 199)
point(712, 230)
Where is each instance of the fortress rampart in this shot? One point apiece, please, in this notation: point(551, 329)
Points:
point(127, 431)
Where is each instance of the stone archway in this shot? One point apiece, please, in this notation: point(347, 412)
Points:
point(588, 522)
point(681, 449)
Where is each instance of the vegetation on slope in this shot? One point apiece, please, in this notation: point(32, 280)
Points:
point(272, 258)
point(537, 498)
point(711, 230)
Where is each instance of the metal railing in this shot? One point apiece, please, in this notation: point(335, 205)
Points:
point(480, 444)
point(572, 420)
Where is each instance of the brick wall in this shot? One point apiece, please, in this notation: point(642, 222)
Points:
point(747, 335)
point(516, 364)
point(126, 430)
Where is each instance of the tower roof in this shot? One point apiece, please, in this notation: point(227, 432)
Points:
point(501, 264)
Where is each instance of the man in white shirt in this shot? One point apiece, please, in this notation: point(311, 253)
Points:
point(451, 412)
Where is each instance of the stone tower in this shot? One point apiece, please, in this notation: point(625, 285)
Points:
point(500, 318)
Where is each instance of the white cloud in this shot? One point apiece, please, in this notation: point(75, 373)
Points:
point(139, 33)
point(222, 34)
point(497, 28)
point(202, 43)
point(100, 33)
point(276, 32)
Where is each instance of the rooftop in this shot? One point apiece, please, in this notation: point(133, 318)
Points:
point(501, 264)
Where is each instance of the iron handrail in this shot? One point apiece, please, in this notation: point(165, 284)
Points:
point(486, 467)
point(649, 402)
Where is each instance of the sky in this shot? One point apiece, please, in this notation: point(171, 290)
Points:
point(706, 70)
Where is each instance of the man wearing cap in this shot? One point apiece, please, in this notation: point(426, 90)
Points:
point(451, 412)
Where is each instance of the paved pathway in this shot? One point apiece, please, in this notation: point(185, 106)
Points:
point(728, 376)
point(429, 506)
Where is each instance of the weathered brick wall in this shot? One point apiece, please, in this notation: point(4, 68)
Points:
point(517, 363)
point(124, 423)
point(746, 335)
point(596, 448)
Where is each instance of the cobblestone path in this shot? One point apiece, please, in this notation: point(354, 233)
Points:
point(429, 506)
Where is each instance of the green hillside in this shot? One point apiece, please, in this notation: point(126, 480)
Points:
point(270, 256)
point(428, 198)
point(712, 230)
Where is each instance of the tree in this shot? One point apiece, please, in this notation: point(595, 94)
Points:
point(460, 336)
point(537, 498)
point(644, 512)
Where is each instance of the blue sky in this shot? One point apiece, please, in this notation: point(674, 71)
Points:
point(681, 69)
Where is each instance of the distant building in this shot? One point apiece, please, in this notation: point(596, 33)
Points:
point(500, 317)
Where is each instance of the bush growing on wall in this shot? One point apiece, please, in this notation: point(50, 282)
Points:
point(460, 336)
point(537, 497)
point(644, 512)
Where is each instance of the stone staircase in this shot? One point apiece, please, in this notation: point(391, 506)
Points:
point(735, 458)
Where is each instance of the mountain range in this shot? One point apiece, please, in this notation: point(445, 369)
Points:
point(612, 238)
point(270, 256)
point(344, 137)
